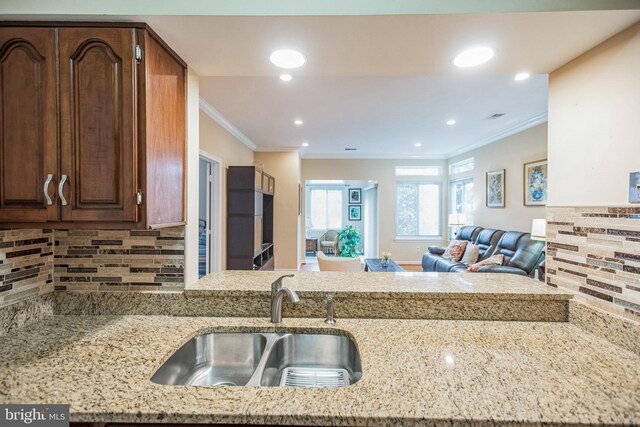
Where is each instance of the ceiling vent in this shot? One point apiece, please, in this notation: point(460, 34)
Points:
point(350, 149)
point(495, 116)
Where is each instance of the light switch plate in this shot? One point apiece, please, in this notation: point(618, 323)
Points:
point(634, 187)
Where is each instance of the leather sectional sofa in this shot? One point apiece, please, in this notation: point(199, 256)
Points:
point(521, 254)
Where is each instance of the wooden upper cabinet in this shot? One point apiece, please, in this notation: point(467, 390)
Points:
point(164, 131)
point(97, 69)
point(28, 125)
point(100, 109)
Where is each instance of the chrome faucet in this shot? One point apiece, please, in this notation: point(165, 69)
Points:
point(277, 294)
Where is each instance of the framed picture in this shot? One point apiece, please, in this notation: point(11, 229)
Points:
point(355, 213)
point(535, 183)
point(495, 189)
point(355, 196)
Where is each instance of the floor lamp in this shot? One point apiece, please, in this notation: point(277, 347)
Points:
point(457, 220)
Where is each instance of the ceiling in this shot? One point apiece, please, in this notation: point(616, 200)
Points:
point(380, 116)
point(398, 45)
point(378, 83)
point(383, 83)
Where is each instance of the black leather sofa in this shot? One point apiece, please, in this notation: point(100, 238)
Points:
point(521, 254)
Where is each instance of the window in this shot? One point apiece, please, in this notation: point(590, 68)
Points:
point(417, 170)
point(461, 166)
point(418, 209)
point(461, 197)
point(326, 208)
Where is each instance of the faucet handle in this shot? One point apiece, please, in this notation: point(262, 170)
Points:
point(277, 284)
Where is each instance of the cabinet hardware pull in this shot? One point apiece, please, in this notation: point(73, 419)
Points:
point(46, 189)
point(61, 190)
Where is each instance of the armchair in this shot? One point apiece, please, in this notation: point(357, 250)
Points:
point(328, 241)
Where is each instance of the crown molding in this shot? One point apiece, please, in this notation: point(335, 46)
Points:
point(369, 157)
point(206, 108)
point(277, 149)
point(522, 126)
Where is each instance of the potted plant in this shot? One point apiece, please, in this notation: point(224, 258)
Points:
point(348, 241)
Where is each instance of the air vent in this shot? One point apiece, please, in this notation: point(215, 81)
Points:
point(350, 149)
point(495, 116)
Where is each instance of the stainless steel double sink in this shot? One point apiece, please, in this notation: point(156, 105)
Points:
point(263, 360)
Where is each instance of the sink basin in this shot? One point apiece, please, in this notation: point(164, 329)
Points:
point(263, 360)
point(311, 359)
point(213, 359)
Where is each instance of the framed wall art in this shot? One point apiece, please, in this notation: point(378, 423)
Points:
point(535, 183)
point(355, 196)
point(355, 213)
point(496, 189)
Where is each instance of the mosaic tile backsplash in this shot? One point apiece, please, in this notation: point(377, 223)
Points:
point(26, 264)
point(119, 260)
point(35, 262)
point(595, 251)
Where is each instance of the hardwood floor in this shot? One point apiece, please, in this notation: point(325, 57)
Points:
point(311, 265)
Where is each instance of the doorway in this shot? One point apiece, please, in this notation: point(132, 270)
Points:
point(209, 216)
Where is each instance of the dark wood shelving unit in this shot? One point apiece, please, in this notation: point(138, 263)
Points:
point(250, 195)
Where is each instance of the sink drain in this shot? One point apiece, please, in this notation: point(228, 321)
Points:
point(314, 377)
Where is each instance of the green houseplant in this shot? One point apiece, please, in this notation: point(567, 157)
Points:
point(348, 241)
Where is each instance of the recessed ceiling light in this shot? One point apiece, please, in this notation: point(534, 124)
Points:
point(473, 57)
point(298, 122)
point(287, 58)
point(521, 76)
point(285, 77)
point(305, 144)
point(417, 144)
point(451, 122)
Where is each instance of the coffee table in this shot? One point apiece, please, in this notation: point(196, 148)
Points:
point(375, 265)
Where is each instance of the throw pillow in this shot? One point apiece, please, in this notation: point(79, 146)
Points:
point(455, 250)
point(492, 260)
point(471, 254)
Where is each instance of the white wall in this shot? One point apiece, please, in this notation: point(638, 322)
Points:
point(383, 172)
point(594, 124)
point(510, 154)
point(192, 172)
point(217, 141)
point(285, 168)
point(361, 184)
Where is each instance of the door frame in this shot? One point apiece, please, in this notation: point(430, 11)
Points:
point(214, 210)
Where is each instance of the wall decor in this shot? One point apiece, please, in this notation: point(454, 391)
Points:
point(496, 189)
point(355, 213)
point(535, 183)
point(355, 196)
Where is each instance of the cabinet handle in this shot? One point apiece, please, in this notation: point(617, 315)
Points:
point(46, 189)
point(61, 190)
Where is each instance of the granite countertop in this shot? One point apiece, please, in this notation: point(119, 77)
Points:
point(415, 372)
point(379, 285)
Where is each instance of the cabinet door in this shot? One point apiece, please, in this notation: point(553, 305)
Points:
point(28, 125)
point(98, 147)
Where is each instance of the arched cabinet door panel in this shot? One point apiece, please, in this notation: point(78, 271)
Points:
point(98, 139)
point(28, 125)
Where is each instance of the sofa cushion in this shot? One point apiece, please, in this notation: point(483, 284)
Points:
point(492, 260)
point(487, 241)
point(468, 232)
point(455, 249)
point(508, 245)
point(471, 254)
point(429, 261)
point(528, 254)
